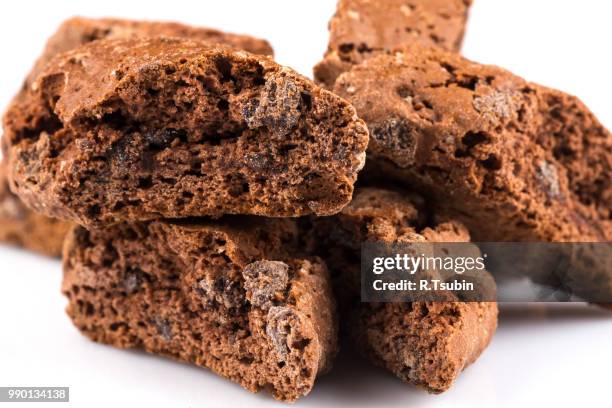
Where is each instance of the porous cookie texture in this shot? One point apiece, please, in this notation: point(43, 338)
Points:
point(512, 160)
point(422, 343)
point(24, 228)
point(20, 225)
point(144, 129)
point(361, 29)
point(77, 31)
point(425, 343)
point(226, 295)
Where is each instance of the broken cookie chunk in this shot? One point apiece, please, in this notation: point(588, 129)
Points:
point(22, 227)
point(262, 318)
point(142, 129)
point(361, 29)
point(77, 31)
point(423, 343)
point(512, 160)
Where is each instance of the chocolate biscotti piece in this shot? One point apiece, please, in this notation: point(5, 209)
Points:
point(77, 31)
point(512, 160)
point(422, 343)
point(361, 29)
point(144, 129)
point(226, 295)
point(24, 228)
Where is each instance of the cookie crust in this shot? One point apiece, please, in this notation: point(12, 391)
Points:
point(423, 343)
point(24, 228)
point(512, 160)
point(362, 29)
point(77, 31)
point(200, 292)
point(139, 129)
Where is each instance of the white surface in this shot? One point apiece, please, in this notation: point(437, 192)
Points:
point(542, 355)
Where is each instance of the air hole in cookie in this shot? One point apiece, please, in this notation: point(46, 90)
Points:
point(89, 309)
point(492, 163)
point(471, 139)
point(237, 185)
point(300, 344)
point(459, 153)
point(281, 364)
point(145, 182)
point(167, 180)
point(405, 372)
point(403, 91)
point(118, 205)
point(285, 149)
point(208, 83)
point(224, 66)
point(81, 236)
point(223, 105)
point(424, 310)
point(451, 312)
point(364, 48)
point(448, 67)
point(93, 211)
point(306, 100)
point(115, 120)
point(245, 188)
point(134, 203)
point(259, 78)
point(556, 113)
point(563, 151)
point(468, 83)
point(49, 124)
point(346, 48)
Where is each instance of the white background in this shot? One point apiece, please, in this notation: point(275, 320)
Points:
point(542, 355)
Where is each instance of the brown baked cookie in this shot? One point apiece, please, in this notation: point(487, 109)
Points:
point(25, 228)
point(77, 31)
point(361, 29)
point(423, 343)
point(167, 128)
point(226, 295)
point(512, 160)
point(22, 227)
